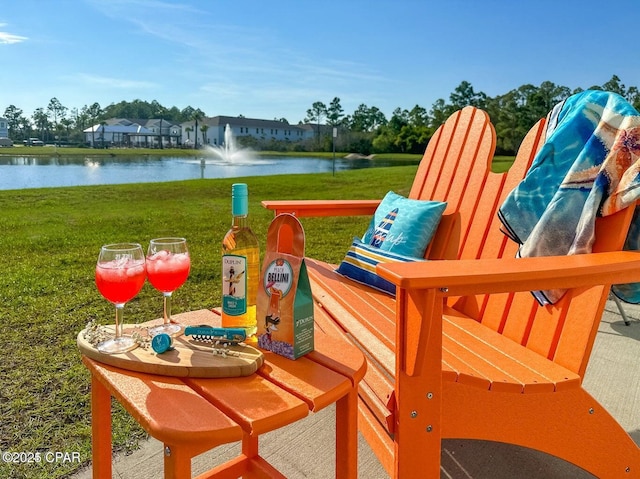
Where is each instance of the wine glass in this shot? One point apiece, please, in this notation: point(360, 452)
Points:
point(168, 265)
point(120, 275)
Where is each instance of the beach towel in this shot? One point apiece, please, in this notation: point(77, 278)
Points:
point(588, 167)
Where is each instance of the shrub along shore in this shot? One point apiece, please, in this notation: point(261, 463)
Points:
point(51, 238)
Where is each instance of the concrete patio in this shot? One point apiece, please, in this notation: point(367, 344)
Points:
point(305, 449)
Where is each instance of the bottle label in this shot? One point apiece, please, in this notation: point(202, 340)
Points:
point(277, 282)
point(234, 277)
point(278, 276)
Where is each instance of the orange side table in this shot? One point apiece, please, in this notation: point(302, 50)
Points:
point(193, 415)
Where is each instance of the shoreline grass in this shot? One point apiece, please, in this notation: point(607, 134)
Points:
point(124, 152)
point(51, 238)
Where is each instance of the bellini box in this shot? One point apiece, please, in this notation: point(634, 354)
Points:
point(284, 307)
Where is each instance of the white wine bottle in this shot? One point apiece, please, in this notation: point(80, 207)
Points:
point(240, 266)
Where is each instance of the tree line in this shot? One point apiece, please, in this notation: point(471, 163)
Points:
point(56, 121)
point(408, 131)
point(366, 130)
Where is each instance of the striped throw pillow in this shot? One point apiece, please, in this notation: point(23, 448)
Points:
point(359, 264)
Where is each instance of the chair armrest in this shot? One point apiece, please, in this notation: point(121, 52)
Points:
point(468, 277)
point(303, 208)
point(419, 322)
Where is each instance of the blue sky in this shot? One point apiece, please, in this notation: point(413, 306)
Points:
point(273, 59)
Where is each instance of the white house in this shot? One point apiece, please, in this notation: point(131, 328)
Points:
point(142, 133)
point(211, 130)
point(4, 128)
point(134, 133)
point(170, 132)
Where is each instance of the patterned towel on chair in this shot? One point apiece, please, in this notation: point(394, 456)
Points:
point(589, 166)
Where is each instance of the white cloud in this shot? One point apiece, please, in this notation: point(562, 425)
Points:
point(7, 38)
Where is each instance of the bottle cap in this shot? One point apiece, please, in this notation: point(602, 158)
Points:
point(161, 343)
point(239, 199)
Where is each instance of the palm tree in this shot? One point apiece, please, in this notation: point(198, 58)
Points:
point(204, 129)
point(317, 111)
point(93, 112)
point(102, 124)
point(58, 111)
point(196, 116)
point(41, 121)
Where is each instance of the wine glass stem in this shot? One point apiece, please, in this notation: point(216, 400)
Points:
point(167, 307)
point(119, 319)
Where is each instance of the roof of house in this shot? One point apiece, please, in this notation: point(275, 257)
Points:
point(118, 128)
point(239, 121)
point(142, 122)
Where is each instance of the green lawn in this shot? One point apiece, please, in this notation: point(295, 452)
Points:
point(51, 238)
point(501, 164)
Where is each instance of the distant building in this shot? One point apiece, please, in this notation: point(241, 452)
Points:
point(134, 133)
point(263, 130)
point(4, 128)
point(140, 133)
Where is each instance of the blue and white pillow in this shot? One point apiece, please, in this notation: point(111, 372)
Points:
point(404, 226)
point(360, 262)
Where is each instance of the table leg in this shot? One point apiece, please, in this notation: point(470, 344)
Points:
point(100, 429)
point(347, 436)
point(257, 467)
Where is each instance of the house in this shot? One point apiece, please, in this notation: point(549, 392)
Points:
point(211, 130)
point(134, 133)
point(140, 133)
point(4, 128)
point(170, 133)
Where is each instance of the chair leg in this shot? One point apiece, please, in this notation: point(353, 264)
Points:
point(547, 422)
point(621, 309)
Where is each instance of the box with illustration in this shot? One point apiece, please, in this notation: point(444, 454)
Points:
point(284, 303)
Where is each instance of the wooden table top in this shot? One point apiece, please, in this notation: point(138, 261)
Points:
point(205, 412)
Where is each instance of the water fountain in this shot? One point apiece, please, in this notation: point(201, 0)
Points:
point(228, 152)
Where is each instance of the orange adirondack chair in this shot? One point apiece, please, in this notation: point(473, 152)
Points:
point(464, 351)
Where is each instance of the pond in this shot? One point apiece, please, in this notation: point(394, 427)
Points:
point(19, 172)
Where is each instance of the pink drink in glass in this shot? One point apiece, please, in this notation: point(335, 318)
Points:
point(168, 271)
point(120, 275)
point(168, 265)
point(120, 281)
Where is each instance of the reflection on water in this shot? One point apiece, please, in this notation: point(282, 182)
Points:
point(18, 172)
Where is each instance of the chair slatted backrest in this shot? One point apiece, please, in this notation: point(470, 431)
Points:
point(470, 228)
point(484, 239)
point(454, 169)
point(563, 332)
